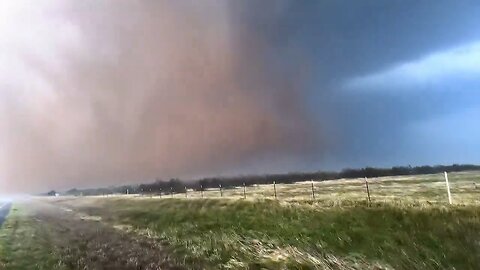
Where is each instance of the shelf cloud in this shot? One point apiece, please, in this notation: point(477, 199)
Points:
point(441, 70)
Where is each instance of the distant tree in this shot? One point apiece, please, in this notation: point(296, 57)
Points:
point(176, 185)
point(73, 192)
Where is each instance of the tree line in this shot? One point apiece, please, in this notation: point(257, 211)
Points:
point(176, 185)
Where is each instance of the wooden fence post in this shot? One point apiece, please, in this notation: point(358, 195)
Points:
point(220, 188)
point(274, 190)
point(368, 191)
point(313, 191)
point(244, 191)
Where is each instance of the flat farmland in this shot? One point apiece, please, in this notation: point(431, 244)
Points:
point(408, 225)
point(430, 188)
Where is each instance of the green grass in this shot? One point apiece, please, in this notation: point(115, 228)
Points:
point(25, 244)
point(246, 234)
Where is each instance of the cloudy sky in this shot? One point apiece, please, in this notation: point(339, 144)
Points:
point(95, 93)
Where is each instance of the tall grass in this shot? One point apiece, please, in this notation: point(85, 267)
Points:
point(271, 234)
point(25, 244)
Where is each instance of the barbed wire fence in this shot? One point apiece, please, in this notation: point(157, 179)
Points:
point(431, 189)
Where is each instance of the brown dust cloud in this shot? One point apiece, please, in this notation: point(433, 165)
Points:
point(97, 93)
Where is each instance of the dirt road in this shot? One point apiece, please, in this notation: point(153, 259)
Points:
point(85, 243)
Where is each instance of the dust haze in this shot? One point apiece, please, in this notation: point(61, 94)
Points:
point(95, 93)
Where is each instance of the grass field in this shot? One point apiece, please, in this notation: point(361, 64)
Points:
point(408, 225)
point(25, 243)
point(274, 235)
point(465, 188)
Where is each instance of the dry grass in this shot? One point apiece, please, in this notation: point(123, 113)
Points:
point(275, 234)
point(465, 188)
point(408, 225)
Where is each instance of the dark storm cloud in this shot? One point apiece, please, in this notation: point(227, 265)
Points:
point(357, 37)
point(345, 40)
point(351, 39)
